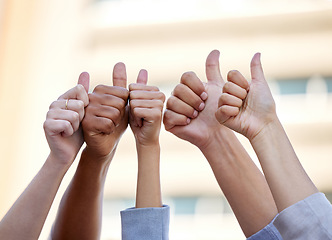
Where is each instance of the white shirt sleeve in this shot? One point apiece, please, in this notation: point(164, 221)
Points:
point(310, 218)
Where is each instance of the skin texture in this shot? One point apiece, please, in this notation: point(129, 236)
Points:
point(107, 117)
point(249, 109)
point(146, 106)
point(26, 217)
point(190, 115)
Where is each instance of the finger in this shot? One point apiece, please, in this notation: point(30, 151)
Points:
point(212, 68)
point(230, 100)
point(54, 127)
point(147, 95)
point(96, 125)
point(234, 90)
point(119, 92)
point(172, 119)
point(69, 104)
point(107, 100)
point(136, 86)
point(150, 115)
point(191, 80)
point(84, 80)
point(146, 104)
point(142, 77)
point(119, 75)
point(78, 92)
point(225, 112)
point(176, 105)
point(184, 93)
point(70, 116)
point(236, 77)
point(256, 69)
point(108, 112)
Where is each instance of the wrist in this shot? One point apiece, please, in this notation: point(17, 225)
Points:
point(89, 153)
point(149, 152)
point(267, 132)
point(57, 164)
point(216, 138)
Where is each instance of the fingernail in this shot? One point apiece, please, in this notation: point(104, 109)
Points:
point(204, 96)
point(195, 114)
point(188, 120)
point(201, 106)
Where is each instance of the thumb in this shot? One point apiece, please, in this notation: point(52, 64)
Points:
point(257, 74)
point(142, 77)
point(120, 75)
point(84, 79)
point(212, 67)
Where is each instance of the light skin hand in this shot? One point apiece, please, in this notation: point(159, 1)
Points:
point(106, 116)
point(146, 105)
point(26, 217)
point(247, 108)
point(190, 115)
point(190, 110)
point(250, 110)
point(62, 126)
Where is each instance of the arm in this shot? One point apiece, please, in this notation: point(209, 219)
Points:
point(26, 217)
point(190, 116)
point(146, 105)
point(256, 119)
point(80, 211)
point(149, 220)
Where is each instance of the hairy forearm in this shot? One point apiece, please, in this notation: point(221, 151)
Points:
point(26, 217)
point(285, 175)
point(241, 181)
point(80, 211)
point(148, 192)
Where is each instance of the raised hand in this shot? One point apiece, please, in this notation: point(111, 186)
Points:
point(62, 126)
point(106, 116)
point(246, 108)
point(191, 108)
point(146, 106)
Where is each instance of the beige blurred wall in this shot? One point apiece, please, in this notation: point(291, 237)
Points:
point(44, 45)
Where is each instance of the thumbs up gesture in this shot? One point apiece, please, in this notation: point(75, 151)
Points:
point(146, 110)
point(190, 110)
point(63, 122)
point(247, 108)
point(106, 116)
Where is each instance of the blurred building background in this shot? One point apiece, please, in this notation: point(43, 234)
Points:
point(45, 45)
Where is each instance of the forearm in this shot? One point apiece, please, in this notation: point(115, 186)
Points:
point(80, 211)
point(241, 181)
point(148, 178)
point(26, 217)
point(285, 175)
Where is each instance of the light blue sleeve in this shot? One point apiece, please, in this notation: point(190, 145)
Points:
point(310, 218)
point(145, 223)
point(269, 232)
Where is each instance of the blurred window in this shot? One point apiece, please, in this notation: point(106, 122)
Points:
point(292, 86)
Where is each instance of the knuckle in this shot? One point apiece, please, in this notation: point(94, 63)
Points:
point(226, 87)
point(53, 104)
point(80, 104)
point(99, 88)
point(170, 102)
point(187, 76)
point(80, 88)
